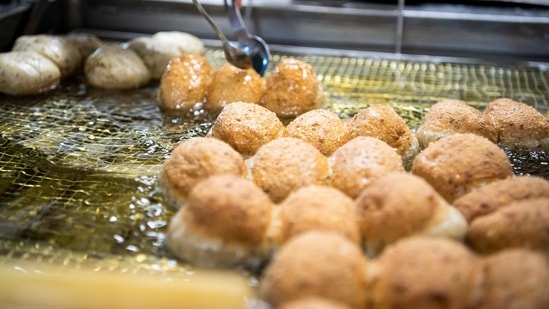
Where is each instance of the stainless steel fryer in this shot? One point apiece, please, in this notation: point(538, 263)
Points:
point(79, 166)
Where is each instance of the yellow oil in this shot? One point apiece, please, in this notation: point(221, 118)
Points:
point(79, 166)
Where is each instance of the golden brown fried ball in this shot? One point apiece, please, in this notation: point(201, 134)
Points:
point(224, 223)
point(185, 81)
point(318, 208)
point(500, 193)
point(231, 84)
point(358, 162)
point(313, 303)
point(515, 279)
point(292, 89)
point(316, 264)
point(453, 116)
point(246, 126)
point(194, 160)
point(399, 205)
point(457, 164)
point(518, 225)
point(518, 125)
point(425, 272)
point(322, 128)
point(382, 122)
point(287, 164)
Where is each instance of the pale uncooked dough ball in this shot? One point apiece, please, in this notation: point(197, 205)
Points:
point(27, 73)
point(56, 48)
point(158, 49)
point(114, 67)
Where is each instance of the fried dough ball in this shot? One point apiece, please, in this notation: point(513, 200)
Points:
point(114, 67)
point(224, 223)
point(425, 272)
point(27, 73)
point(56, 48)
point(86, 43)
point(399, 205)
point(157, 50)
point(453, 116)
point(184, 83)
point(322, 128)
point(318, 208)
point(287, 164)
point(231, 84)
point(515, 279)
point(313, 303)
point(500, 193)
point(194, 160)
point(292, 89)
point(518, 125)
point(246, 126)
point(316, 264)
point(518, 225)
point(457, 164)
point(382, 122)
point(358, 162)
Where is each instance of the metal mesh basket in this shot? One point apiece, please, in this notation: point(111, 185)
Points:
point(79, 166)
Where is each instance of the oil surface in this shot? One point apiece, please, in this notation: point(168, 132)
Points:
point(79, 166)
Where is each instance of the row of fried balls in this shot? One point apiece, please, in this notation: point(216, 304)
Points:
point(190, 82)
point(457, 230)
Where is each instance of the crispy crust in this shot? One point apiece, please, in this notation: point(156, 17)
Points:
point(514, 279)
point(231, 84)
point(322, 128)
point(231, 208)
point(287, 164)
point(399, 205)
point(519, 225)
point(453, 116)
point(382, 122)
point(358, 162)
point(518, 125)
point(227, 216)
point(425, 272)
point(184, 82)
point(457, 164)
point(316, 264)
point(194, 160)
point(246, 126)
point(292, 89)
point(500, 193)
point(318, 208)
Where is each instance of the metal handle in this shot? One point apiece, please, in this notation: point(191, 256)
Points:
point(236, 21)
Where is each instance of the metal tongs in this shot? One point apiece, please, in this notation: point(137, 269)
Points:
point(251, 50)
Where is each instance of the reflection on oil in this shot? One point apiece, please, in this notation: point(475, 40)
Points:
point(79, 166)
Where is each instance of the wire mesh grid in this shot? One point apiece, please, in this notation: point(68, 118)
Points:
point(79, 166)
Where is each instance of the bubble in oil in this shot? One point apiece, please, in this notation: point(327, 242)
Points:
point(526, 162)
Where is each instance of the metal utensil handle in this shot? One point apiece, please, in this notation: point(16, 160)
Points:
point(236, 21)
point(212, 23)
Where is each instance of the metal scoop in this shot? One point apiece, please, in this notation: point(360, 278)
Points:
point(251, 51)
